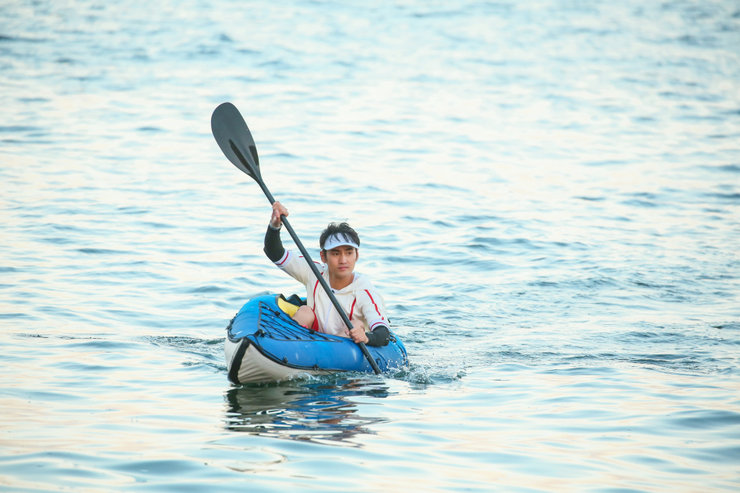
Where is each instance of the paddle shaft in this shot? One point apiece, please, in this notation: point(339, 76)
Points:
point(318, 275)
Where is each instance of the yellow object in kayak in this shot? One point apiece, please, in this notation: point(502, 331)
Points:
point(287, 306)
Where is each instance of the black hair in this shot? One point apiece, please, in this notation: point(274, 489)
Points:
point(342, 229)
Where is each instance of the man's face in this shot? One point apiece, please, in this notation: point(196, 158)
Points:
point(340, 261)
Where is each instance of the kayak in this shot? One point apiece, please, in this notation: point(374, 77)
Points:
point(264, 344)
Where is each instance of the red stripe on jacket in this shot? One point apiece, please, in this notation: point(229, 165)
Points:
point(285, 258)
point(377, 310)
point(314, 291)
point(352, 308)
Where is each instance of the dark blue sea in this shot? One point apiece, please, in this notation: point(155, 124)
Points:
point(548, 196)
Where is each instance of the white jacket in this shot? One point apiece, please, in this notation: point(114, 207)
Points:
point(359, 299)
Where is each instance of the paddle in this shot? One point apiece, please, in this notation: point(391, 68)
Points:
point(235, 140)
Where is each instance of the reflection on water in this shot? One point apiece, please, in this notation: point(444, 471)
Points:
point(317, 410)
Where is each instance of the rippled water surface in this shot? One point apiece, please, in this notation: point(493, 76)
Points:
point(548, 196)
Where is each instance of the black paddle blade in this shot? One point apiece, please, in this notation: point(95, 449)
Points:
point(235, 139)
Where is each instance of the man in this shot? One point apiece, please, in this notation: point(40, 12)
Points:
point(356, 295)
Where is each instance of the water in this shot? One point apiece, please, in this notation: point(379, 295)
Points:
point(547, 194)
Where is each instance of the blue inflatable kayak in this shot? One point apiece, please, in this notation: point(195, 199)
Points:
point(264, 344)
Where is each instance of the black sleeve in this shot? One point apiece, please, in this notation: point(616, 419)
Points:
point(273, 245)
point(380, 336)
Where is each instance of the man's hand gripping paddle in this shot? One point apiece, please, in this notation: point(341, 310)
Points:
point(235, 140)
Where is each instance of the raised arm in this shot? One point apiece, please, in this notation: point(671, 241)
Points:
point(273, 244)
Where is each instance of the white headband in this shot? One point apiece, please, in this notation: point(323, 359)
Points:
point(339, 239)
